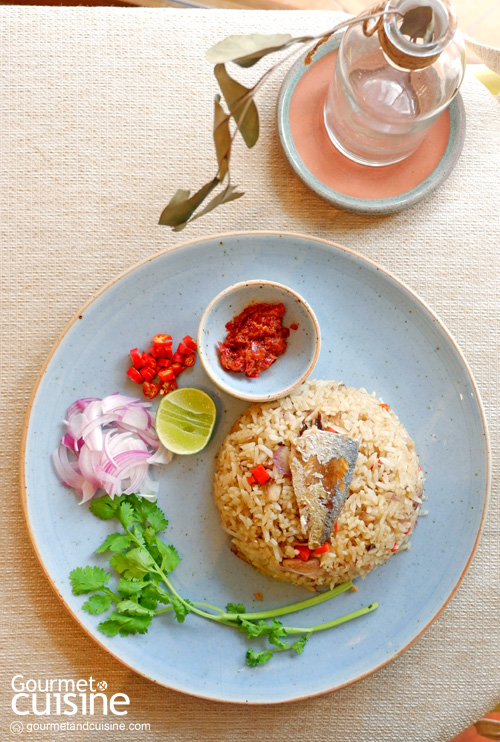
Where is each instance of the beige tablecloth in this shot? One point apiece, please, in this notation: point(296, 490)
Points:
point(104, 112)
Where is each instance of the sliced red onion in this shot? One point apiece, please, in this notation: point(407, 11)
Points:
point(68, 441)
point(281, 458)
point(109, 445)
point(161, 456)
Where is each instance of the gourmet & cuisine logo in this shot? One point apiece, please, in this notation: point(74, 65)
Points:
point(65, 697)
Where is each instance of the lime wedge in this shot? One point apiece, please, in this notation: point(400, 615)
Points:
point(185, 420)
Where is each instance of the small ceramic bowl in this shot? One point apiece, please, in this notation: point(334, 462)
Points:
point(289, 370)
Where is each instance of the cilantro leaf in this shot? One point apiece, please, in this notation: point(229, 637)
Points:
point(153, 593)
point(133, 609)
point(274, 639)
point(109, 627)
point(169, 556)
point(127, 588)
point(139, 534)
point(252, 628)
point(86, 579)
point(148, 601)
point(150, 542)
point(104, 507)
point(126, 514)
point(115, 542)
point(150, 514)
point(253, 658)
point(235, 608)
point(276, 631)
point(97, 603)
point(300, 643)
point(123, 624)
point(134, 563)
point(180, 609)
point(156, 519)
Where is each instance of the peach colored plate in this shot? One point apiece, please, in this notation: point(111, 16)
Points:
point(347, 184)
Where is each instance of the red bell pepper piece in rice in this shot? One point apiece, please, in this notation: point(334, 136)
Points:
point(304, 552)
point(260, 474)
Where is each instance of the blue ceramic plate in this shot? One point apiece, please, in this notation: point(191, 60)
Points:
point(376, 334)
point(374, 204)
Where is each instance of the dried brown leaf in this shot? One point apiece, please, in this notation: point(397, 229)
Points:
point(247, 49)
point(222, 138)
point(228, 194)
point(181, 206)
point(233, 92)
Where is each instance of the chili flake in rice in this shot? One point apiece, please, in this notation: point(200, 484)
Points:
point(263, 520)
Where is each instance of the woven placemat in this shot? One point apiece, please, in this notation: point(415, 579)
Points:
point(104, 113)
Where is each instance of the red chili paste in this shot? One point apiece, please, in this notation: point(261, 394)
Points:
point(255, 338)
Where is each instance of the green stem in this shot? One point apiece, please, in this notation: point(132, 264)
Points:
point(108, 591)
point(164, 610)
point(293, 607)
point(335, 622)
point(208, 605)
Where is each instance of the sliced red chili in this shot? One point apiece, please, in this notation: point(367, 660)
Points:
point(251, 479)
point(164, 362)
point(159, 350)
point(260, 474)
point(294, 326)
point(182, 348)
point(178, 357)
point(135, 375)
point(167, 386)
point(191, 344)
point(150, 389)
point(166, 374)
point(395, 547)
point(336, 527)
point(177, 368)
point(162, 339)
point(136, 358)
point(189, 360)
point(148, 359)
point(148, 373)
point(304, 551)
point(322, 549)
point(167, 352)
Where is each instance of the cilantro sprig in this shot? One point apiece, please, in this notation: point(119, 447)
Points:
point(144, 562)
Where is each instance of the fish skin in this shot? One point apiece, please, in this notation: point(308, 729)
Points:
point(322, 465)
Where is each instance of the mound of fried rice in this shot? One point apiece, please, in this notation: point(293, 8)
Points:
point(263, 520)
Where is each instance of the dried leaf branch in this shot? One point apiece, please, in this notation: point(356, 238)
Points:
point(245, 51)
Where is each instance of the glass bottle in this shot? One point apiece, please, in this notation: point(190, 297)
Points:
point(387, 88)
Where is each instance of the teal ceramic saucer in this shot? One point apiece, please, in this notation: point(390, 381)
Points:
point(345, 184)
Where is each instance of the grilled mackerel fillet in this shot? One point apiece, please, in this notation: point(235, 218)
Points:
point(322, 465)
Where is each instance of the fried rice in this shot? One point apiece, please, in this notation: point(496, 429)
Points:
point(263, 521)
